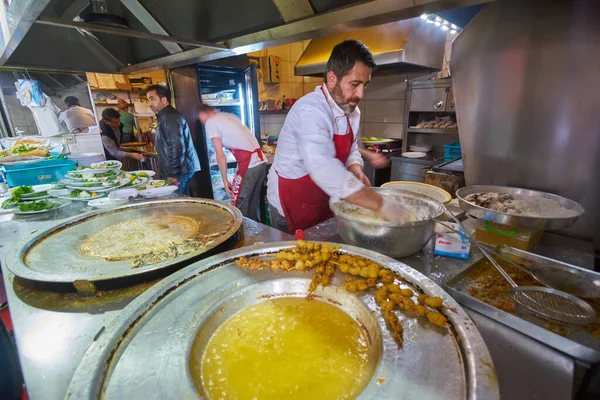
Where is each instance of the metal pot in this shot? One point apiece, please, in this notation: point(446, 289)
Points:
point(390, 238)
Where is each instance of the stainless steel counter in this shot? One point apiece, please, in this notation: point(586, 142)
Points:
point(526, 368)
point(53, 326)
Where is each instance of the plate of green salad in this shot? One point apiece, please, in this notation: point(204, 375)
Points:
point(39, 206)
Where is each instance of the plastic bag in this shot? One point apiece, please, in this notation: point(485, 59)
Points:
point(30, 93)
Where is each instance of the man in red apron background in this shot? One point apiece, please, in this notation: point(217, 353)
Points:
point(226, 130)
point(317, 154)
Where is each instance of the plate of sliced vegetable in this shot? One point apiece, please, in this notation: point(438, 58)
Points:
point(39, 206)
point(135, 181)
point(25, 193)
point(76, 194)
point(155, 184)
point(101, 187)
point(76, 176)
point(99, 168)
point(148, 173)
point(114, 165)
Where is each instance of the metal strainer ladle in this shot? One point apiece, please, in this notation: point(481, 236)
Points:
point(544, 302)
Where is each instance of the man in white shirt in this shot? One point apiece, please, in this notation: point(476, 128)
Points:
point(226, 130)
point(76, 118)
point(317, 154)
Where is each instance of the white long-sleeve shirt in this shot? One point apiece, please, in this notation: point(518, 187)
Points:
point(305, 146)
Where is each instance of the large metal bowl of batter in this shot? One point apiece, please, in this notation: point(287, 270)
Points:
point(145, 353)
point(394, 239)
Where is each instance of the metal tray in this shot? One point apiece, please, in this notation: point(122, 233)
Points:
point(578, 343)
point(55, 255)
point(144, 353)
point(518, 221)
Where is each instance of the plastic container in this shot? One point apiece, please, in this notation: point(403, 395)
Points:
point(498, 235)
point(46, 171)
point(452, 151)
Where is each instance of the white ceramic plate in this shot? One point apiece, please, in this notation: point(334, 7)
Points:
point(64, 194)
point(159, 191)
point(414, 154)
point(100, 188)
point(421, 147)
point(123, 194)
point(104, 165)
point(106, 203)
point(149, 172)
point(63, 204)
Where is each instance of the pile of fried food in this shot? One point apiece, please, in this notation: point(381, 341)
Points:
point(437, 123)
point(325, 259)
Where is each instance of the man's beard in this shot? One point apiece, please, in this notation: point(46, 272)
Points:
point(338, 97)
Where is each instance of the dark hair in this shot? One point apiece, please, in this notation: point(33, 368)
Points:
point(344, 55)
point(202, 107)
point(110, 114)
point(71, 101)
point(161, 91)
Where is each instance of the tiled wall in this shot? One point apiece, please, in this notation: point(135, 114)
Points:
point(291, 86)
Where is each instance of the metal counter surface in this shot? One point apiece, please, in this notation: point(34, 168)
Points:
point(526, 368)
point(54, 328)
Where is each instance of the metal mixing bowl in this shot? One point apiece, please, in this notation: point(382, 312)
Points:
point(390, 238)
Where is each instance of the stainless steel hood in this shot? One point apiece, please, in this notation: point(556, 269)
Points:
point(411, 45)
point(50, 34)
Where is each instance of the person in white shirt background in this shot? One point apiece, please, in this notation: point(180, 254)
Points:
point(226, 130)
point(317, 153)
point(76, 118)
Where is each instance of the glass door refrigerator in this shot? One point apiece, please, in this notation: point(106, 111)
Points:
point(228, 90)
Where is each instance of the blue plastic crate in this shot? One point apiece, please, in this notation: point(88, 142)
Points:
point(452, 151)
point(46, 171)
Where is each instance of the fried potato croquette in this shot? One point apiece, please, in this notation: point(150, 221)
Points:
point(434, 302)
point(436, 318)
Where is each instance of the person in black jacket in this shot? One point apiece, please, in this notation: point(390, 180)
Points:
point(177, 157)
point(111, 132)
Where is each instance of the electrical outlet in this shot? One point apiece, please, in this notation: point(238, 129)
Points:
point(70, 139)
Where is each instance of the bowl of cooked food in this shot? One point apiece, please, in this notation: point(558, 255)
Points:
point(365, 228)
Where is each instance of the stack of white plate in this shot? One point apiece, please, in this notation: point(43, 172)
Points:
point(424, 148)
point(86, 159)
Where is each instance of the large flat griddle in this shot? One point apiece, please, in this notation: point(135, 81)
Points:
point(55, 255)
point(145, 352)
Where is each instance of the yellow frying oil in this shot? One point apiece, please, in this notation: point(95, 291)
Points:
point(287, 348)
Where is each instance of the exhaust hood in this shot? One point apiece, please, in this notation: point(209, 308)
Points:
point(411, 45)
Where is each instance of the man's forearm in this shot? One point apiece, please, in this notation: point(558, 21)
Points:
point(367, 198)
point(222, 163)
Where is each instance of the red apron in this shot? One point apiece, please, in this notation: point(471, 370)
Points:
point(243, 158)
point(304, 203)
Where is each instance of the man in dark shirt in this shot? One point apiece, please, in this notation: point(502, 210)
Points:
point(111, 131)
point(177, 157)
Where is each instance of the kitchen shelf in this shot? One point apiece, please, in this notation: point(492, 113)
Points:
point(273, 112)
point(432, 130)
